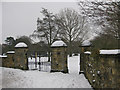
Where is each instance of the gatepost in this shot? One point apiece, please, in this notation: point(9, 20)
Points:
point(59, 57)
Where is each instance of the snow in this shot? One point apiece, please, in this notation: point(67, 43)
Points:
point(93, 80)
point(116, 51)
point(16, 78)
point(93, 74)
point(34, 40)
point(3, 56)
point(98, 72)
point(58, 44)
point(89, 64)
point(45, 65)
point(10, 52)
point(86, 43)
point(87, 52)
point(73, 64)
point(0, 78)
point(45, 59)
point(21, 44)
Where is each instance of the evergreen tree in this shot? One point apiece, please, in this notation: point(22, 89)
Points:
point(46, 29)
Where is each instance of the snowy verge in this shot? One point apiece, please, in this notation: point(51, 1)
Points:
point(15, 78)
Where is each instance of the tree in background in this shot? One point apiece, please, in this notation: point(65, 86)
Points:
point(72, 26)
point(24, 39)
point(46, 29)
point(10, 41)
point(0, 49)
point(105, 41)
point(105, 14)
point(9, 46)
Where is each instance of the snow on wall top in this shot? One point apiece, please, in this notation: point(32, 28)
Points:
point(21, 44)
point(86, 43)
point(10, 52)
point(116, 51)
point(2, 56)
point(87, 52)
point(58, 44)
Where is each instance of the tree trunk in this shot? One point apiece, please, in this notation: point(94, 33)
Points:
point(70, 49)
point(49, 56)
point(49, 53)
point(70, 53)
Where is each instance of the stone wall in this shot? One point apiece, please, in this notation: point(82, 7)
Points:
point(4, 61)
point(21, 60)
point(16, 60)
point(59, 59)
point(9, 61)
point(82, 62)
point(102, 71)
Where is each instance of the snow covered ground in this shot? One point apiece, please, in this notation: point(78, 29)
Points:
point(15, 78)
point(0, 78)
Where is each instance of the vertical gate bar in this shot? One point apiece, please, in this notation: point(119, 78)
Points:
point(35, 60)
point(31, 63)
point(42, 66)
point(39, 63)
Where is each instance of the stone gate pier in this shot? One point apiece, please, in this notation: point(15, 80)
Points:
point(21, 60)
point(17, 58)
point(59, 57)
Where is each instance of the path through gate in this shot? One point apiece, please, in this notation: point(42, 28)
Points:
point(39, 63)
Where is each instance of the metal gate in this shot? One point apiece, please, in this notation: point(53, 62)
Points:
point(39, 63)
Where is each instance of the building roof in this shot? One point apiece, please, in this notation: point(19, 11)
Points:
point(20, 45)
point(58, 43)
point(10, 52)
point(86, 43)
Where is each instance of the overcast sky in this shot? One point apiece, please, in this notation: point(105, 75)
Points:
point(0, 22)
point(19, 18)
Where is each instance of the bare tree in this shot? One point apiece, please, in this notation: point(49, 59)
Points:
point(72, 26)
point(46, 28)
point(103, 13)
